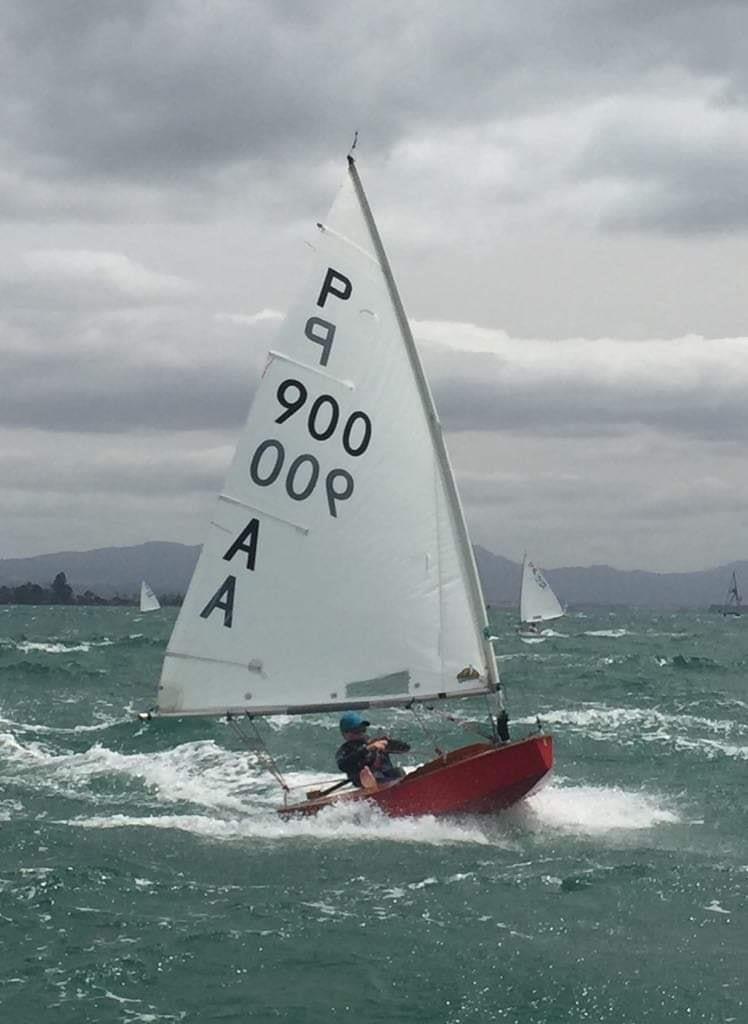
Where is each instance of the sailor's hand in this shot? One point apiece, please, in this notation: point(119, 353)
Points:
point(377, 745)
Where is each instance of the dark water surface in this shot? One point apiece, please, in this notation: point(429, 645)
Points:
point(144, 875)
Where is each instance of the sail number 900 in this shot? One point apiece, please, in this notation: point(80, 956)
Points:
point(269, 458)
point(324, 416)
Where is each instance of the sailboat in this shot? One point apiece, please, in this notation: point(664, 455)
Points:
point(337, 573)
point(537, 603)
point(148, 600)
point(733, 601)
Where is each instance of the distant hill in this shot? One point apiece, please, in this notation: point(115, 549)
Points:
point(168, 568)
point(107, 571)
point(602, 585)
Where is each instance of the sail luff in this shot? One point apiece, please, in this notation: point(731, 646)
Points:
point(466, 550)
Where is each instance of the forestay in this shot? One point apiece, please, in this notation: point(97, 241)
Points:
point(537, 603)
point(337, 570)
point(148, 600)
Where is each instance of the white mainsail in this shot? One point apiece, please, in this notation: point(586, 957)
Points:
point(148, 600)
point(537, 602)
point(337, 571)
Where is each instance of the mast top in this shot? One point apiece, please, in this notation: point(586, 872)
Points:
point(351, 158)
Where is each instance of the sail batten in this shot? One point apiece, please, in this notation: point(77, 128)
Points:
point(376, 595)
point(311, 369)
point(347, 241)
point(254, 508)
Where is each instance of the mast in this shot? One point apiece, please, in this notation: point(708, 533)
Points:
point(475, 591)
point(733, 593)
point(521, 586)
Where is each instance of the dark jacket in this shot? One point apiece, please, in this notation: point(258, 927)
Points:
point(354, 755)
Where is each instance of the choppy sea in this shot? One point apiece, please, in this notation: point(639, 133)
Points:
point(144, 874)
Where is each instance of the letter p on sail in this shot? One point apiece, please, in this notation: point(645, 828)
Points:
point(336, 284)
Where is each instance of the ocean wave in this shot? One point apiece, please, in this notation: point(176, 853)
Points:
point(79, 645)
point(595, 809)
point(647, 717)
point(107, 722)
point(361, 824)
point(612, 633)
point(200, 773)
point(30, 668)
point(695, 662)
point(651, 725)
point(711, 748)
point(60, 646)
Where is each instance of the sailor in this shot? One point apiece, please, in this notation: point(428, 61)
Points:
point(367, 762)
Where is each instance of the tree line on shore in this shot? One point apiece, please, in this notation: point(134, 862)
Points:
point(60, 592)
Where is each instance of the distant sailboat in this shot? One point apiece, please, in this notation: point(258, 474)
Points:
point(733, 600)
point(337, 573)
point(148, 600)
point(537, 603)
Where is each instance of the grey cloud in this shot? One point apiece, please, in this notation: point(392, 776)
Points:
point(585, 409)
point(500, 137)
point(187, 101)
point(592, 390)
point(178, 368)
point(77, 280)
point(147, 476)
point(182, 369)
point(681, 179)
point(116, 400)
point(106, 392)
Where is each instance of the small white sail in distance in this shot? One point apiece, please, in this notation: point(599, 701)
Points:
point(537, 601)
point(337, 571)
point(148, 600)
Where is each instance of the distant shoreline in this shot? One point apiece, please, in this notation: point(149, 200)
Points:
point(113, 576)
point(61, 594)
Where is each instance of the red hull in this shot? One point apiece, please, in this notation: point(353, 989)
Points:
point(478, 779)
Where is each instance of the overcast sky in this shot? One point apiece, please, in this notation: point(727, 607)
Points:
point(563, 191)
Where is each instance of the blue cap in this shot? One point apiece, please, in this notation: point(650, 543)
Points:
point(351, 721)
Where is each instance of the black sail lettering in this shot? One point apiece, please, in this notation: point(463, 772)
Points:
point(254, 467)
point(363, 444)
point(306, 490)
point(223, 599)
point(332, 421)
point(246, 541)
point(333, 278)
point(321, 332)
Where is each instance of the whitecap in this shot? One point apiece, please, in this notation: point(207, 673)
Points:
point(614, 719)
point(715, 908)
point(60, 646)
point(362, 823)
point(613, 633)
point(595, 809)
